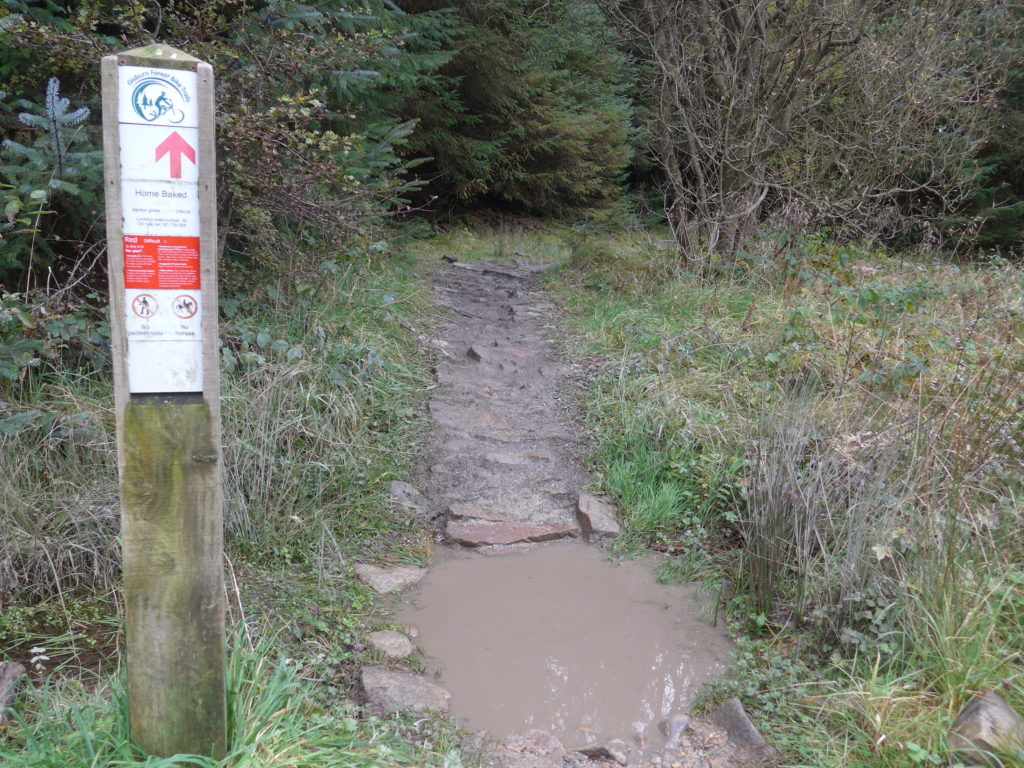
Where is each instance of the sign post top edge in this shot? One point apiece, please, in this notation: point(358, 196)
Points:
point(158, 55)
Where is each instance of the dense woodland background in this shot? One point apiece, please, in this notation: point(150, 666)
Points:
point(791, 237)
point(899, 122)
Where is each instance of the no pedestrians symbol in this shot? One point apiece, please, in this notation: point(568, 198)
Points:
point(144, 306)
point(175, 146)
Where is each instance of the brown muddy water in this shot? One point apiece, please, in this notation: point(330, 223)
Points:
point(563, 639)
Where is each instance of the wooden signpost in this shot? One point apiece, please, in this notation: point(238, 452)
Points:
point(159, 164)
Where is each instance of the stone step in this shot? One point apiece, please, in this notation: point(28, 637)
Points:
point(478, 533)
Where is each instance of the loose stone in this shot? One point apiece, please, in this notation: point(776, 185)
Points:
point(536, 742)
point(390, 691)
point(392, 644)
point(672, 728)
point(383, 581)
point(734, 720)
point(11, 676)
point(597, 518)
point(986, 724)
point(613, 749)
point(406, 497)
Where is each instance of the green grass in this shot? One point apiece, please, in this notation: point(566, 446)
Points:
point(320, 410)
point(322, 387)
point(832, 437)
point(833, 446)
point(495, 243)
point(273, 716)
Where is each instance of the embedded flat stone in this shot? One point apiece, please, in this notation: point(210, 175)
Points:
point(498, 437)
point(386, 580)
point(390, 691)
point(479, 533)
point(392, 644)
point(406, 497)
point(597, 518)
point(508, 459)
point(528, 509)
point(460, 416)
point(491, 512)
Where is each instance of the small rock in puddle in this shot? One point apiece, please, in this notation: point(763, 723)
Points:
point(568, 642)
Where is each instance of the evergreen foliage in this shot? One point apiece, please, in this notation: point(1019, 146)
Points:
point(535, 111)
point(55, 120)
point(999, 200)
point(307, 137)
point(56, 162)
point(332, 116)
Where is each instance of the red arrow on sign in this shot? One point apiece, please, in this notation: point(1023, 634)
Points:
point(176, 147)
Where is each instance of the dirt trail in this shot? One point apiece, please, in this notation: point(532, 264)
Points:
point(502, 475)
point(502, 472)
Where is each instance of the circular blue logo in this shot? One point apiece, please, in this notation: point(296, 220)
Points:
point(154, 99)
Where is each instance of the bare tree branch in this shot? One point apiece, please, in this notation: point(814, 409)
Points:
point(841, 110)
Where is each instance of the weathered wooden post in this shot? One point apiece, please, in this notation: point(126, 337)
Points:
point(159, 162)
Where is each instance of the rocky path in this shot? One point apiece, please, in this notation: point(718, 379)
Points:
point(502, 474)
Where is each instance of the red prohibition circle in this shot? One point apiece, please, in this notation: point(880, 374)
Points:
point(144, 305)
point(185, 306)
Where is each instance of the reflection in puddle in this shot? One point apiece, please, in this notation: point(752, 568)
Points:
point(561, 639)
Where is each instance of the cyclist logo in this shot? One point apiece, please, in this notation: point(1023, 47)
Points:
point(154, 99)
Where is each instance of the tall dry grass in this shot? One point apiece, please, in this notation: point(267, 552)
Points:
point(877, 404)
point(318, 403)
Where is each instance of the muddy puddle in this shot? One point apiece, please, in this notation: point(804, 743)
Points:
point(562, 639)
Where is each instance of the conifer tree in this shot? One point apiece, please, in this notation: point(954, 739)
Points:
point(535, 111)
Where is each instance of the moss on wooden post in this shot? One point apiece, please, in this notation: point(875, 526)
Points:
point(168, 444)
point(173, 578)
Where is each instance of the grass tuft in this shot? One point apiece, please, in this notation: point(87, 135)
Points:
point(273, 721)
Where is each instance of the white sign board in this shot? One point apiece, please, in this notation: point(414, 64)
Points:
point(158, 124)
